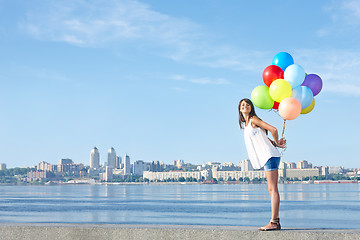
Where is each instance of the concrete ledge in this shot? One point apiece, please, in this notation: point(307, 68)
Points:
point(139, 232)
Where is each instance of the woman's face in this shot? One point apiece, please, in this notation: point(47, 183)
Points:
point(245, 108)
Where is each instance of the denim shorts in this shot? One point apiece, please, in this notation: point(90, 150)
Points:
point(272, 164)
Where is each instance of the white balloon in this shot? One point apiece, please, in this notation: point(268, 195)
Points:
point(295, 75)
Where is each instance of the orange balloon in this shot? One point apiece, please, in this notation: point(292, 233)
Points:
point(289, 108)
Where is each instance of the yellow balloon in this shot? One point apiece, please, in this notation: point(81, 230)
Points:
point(280, 89)
point(309, 108)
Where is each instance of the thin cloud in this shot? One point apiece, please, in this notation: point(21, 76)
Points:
point(351, 10)
point(218, 81)
point(346, 89)
point(202, 81)
point(110, 23)
point(344, 16)
point(179, 89)
point(339, 69)
point(223, 57)
point(42, 74)
point(115, 24)
point(178, 77)
point(98, 23)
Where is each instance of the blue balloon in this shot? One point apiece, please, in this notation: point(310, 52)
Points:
point(283, 60)
point(295, 75)
point(304, 95)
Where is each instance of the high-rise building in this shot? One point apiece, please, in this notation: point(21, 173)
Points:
point(118, 162)
point(2, 166)
point(108, 173)
point(246, 165)
point(178, 163)
point(111, 162)
point(304, 165)
point(290, 165)
point(127, 167)
point(44, 166)
point(155, 166)
point(139, 167)
point(95, 158)
point(324, 171)
point(64, 161)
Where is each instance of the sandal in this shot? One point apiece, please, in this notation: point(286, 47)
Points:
point(272, 226)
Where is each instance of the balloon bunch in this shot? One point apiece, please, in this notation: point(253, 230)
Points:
point(288, 88)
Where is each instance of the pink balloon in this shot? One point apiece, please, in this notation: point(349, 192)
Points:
point(289, 108)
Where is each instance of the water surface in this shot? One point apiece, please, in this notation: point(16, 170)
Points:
point(302, 205)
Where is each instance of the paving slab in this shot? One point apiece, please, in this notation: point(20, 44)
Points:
point(163, 232)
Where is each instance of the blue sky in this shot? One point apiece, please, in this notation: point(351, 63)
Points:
point(161, 80)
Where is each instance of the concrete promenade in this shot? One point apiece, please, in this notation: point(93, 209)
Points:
point(139, 232)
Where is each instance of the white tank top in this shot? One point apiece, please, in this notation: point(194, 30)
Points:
point(258, 146)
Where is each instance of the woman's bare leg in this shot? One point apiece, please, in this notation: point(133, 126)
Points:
point(272, 180)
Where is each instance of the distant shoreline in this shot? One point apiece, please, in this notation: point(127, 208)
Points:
point(177, 183)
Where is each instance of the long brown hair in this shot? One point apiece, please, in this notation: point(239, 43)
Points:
point(251, 114)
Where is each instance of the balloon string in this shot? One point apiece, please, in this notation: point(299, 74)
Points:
point(283, 131)
point(282, 136)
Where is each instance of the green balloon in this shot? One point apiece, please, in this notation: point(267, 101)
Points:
point(260, 96)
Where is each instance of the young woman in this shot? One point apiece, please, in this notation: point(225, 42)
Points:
point(263, 153)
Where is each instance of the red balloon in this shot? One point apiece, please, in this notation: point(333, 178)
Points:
point(272, 73)
point(276, 105)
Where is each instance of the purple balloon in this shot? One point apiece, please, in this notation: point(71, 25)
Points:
point(313, 82)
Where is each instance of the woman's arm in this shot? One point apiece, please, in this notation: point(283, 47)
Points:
point(274, 132)
point(272, 142)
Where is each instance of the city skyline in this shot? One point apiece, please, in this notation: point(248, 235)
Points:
point(67, 171)
point(140, 171)
point(96, 163)
point(162, 80)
